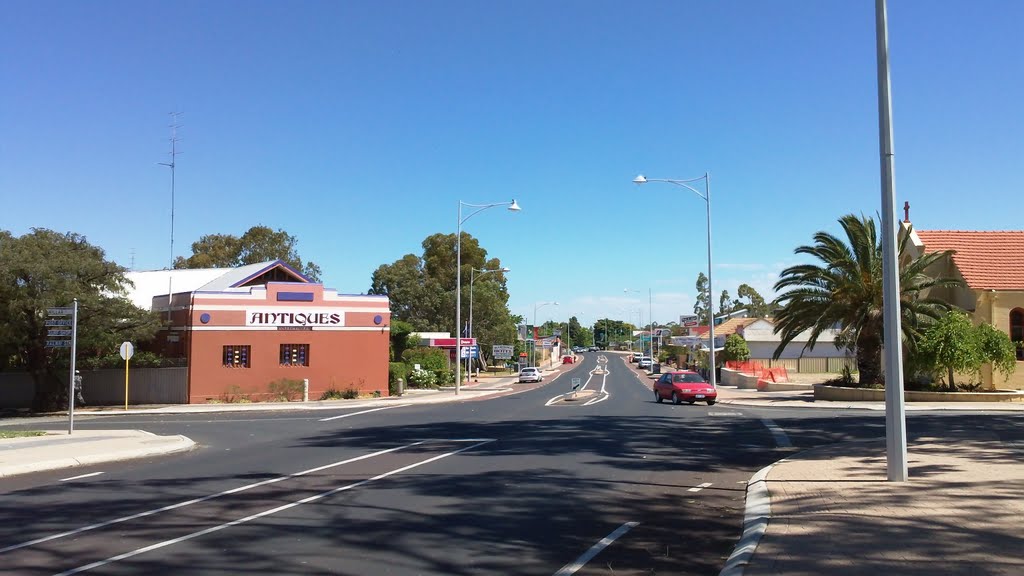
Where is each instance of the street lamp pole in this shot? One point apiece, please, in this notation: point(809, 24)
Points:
point(895, 416)
point(706, 196)
point(472, 278)
point(513, 207)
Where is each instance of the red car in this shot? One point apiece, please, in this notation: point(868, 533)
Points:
point(684, 386)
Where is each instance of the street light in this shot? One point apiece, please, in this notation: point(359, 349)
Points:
point(513, 207)
point(536, 306)
point(706, 196)
point(472, 278)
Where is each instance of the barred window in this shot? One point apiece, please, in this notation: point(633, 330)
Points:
point(1017, 331)
point(236, 356)
point(295, 354)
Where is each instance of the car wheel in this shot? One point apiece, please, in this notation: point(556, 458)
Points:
point(690, 402)
point(657, 397)
point(711, 402)
point(675, 398)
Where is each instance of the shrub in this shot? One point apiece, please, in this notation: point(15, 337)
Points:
point(350, 393)
point(428, 358)
point(331, 393)
point(235, 395)
point(736, 349)
point(422, 379)
point(285, 389)
point(444, 376)
point(397, 370)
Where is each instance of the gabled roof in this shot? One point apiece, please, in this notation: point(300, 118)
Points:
point(157, 282)
point(731, 325)
point(987, 260)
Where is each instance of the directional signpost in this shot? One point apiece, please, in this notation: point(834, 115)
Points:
point(127, 351)
point(62, 332)
point(501, 352)
point(575, 386)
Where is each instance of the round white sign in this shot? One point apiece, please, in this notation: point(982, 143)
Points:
point(127, 350)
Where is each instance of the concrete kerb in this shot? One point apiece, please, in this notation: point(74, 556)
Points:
point(166, 445)
point(756, 516)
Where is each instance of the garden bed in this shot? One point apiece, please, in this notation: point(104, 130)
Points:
point(839, 393)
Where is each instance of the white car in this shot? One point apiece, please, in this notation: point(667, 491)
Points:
point(644, 362)
point(530, 375)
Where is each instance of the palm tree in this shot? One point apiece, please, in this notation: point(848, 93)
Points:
point(845, 291)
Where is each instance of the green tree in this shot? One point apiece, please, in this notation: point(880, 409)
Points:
point(755, 304)
point(400, 338)
point(845, 290)
point(258, 244)
point(725, 303)
point(997, 348)
point(702, 306)
point(422, 290)
point(736, 349)
point(45, 269)
point(951, 345)
point(607, 331)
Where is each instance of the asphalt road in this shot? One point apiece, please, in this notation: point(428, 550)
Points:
point(524, 483)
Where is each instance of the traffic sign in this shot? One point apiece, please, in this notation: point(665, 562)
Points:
point(58, 343)
point(54, 333)
point(127, 351)
point(575, 384)
point(58, 322)
point(501, 351)
point(62, 311)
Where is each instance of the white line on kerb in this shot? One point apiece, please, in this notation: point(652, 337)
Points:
point(90, 475)
point(587, 556)
point(699, 487)
point(203, 499)
point(780, 437)
point(363, 412)
point(281, 508)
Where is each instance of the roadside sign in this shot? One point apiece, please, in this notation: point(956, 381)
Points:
point(62, 333)
point(522, 354)
point(58, 343)
point(127, 351)
point(470, 352)
point(501, 351)
point(58, 322)
point(62, 311)
point(575, 384)
point(54, 333)
point(689, 321)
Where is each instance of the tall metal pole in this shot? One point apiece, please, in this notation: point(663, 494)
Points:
point(650, 313)
point(71, 380)
point(711, 292)
point(458, 303)
point(895, 416)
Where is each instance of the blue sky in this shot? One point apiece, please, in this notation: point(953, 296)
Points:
point(359, 126)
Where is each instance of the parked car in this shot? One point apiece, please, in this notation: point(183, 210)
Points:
point(684, 386)
point(644, 363)
point(530, 375)
point(567, 359)
point(636, 356)
point(595, 349)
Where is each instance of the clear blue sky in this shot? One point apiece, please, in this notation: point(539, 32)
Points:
point(358, 127)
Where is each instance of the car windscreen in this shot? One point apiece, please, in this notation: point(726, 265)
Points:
point(688, 378)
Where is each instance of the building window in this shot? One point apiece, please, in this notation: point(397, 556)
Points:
point(236, 356)
point(295, 354)
point(1017, 331)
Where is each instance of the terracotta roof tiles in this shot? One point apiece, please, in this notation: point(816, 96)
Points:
point(987, 260)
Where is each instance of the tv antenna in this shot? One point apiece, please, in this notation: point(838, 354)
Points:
point(174, 125)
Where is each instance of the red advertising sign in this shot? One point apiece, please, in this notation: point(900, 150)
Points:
point(450, 342)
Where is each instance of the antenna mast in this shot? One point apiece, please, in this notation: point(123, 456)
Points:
point(174, 125)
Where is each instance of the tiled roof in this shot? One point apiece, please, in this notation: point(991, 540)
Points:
point(731, 325)
point(987, 260)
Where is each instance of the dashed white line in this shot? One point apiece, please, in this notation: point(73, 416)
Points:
point(699, 487)
point(781, 440)
point(573, 567)
point(281, 508)
point(362, 412)
point(90, 475)
point(725, 414)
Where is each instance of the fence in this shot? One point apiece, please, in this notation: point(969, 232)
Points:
point(755, 368)
point(105, 387)
point(811, 365)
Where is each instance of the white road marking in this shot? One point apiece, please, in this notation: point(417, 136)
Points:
point(699, 487)
point(604, 394)
point(596, 400)
point(725, 414)
point(582, 388)
point(90, 475)
point(203, 499)
point(780, 436)
point(587, 556)
point(281, 508)
point(362, 412)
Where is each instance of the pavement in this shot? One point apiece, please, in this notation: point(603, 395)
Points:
point(828, 510)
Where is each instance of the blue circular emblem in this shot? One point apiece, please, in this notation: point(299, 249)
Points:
point(378, 319)
point(204, 318)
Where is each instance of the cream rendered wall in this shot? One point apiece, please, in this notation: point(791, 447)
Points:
point(994, 308)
